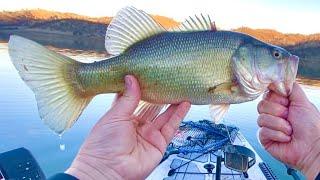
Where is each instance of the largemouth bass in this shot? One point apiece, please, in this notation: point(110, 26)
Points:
point(193, 62)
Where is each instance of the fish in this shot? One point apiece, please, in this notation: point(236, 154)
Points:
point(192, 62)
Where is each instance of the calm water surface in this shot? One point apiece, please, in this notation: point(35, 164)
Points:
point(20, 124)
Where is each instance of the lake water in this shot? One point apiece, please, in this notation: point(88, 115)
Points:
point(20, 124)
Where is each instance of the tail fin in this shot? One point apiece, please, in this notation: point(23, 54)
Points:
point(46, 73)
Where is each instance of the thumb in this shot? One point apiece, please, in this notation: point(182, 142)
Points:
point(297, 94)
point(126, 104)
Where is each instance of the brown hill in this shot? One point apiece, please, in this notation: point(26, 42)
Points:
point(13, 17)
point(32, 17)
point(165, 21)
point(36, 16)
point(16, 17)
point(69, 30)
point(278, 38)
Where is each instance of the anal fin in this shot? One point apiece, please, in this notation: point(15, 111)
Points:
point(218, 111)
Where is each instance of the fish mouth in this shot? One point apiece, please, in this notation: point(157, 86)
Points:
point(284, 87)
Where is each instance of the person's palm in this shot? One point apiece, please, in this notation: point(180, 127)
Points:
point(290, 127)
point(130, 146)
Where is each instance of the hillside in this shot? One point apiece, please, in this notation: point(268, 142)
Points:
point(70, 23)
point(29, 22)
point(68, 30)
point(29, 17)
point(275, 37)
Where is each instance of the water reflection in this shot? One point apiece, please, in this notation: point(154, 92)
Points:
point(60, 40)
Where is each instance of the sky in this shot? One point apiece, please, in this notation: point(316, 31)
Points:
point(289, 16)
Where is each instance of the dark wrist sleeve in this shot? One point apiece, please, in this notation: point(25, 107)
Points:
point(62, 176)
point(318, 177)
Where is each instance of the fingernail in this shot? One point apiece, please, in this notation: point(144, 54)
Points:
point(128, 82)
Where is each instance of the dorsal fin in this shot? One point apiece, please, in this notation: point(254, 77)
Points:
point(129, 26)
point(196, 23)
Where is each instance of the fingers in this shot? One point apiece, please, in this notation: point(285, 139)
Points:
point(128, 102)
point(153, 136)
point(274, 123)
point(172, 121)
point(275, 109)
point(164, 125)
point(266, 135)
point(163, 118)
point(297, 94)
point(276, 98)
point(273, 112)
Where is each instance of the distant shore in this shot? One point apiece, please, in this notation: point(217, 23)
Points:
point(308, 81)
point(56, 39)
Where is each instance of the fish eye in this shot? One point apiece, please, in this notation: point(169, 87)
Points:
point(276, 54)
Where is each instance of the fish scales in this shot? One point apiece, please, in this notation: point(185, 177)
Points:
point(171, 67)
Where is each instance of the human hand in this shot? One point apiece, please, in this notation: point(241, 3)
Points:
point(290, 130)
point(122, 146)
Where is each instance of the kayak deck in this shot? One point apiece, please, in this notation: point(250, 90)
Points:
point(202, 165)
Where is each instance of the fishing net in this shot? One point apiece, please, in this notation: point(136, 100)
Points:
point(198, 142)
point(201, 136)
point(205, 150)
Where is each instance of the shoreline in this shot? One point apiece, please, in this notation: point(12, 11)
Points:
point(57, 39)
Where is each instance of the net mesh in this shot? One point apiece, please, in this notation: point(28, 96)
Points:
point(202, 136)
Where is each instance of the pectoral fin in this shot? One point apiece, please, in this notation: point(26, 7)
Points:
point(148, 111)
point(226, 88)
point(218, 111)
